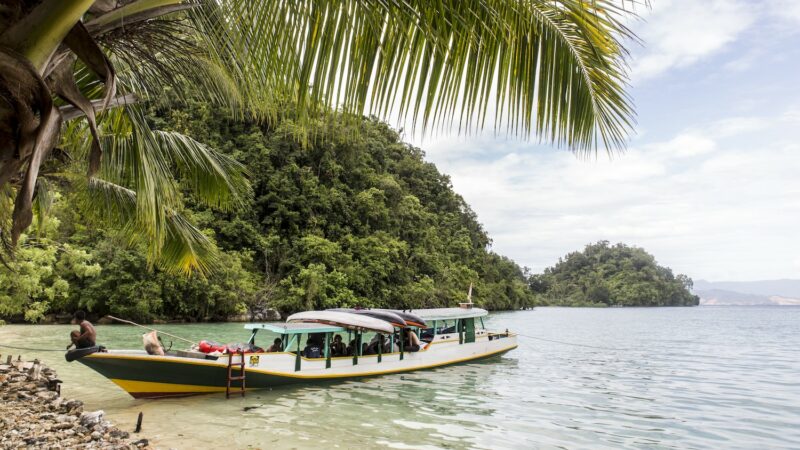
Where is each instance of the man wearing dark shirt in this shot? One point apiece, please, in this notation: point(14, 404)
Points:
point(312, 350)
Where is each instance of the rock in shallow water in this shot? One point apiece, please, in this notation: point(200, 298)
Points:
point(32, 416)
point(91, 419)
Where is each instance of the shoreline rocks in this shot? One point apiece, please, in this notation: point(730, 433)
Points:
point(34, 415)
point(262, 313)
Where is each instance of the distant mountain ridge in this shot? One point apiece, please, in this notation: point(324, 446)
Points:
point(744, 293)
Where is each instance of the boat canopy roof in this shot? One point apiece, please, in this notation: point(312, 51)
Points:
point(449, 313)
point(385, 315)
point(342, 319)
point(339, 321)
point(294, 328)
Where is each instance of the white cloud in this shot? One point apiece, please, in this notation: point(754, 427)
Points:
point(712, 189)
point(707, 204)
point(686, 145)
point(792, 116)
point(734, 126)
point(678, 33)
point(785, 10)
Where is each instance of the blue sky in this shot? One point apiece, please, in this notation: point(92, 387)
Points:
point(710, 183)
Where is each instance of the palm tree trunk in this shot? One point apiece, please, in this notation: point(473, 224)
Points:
point(37, 35)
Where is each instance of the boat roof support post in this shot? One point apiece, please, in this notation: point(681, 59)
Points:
point(460, 329)
point(380, 347)
point(297, 358)
point(292, 338)
point(482, 325)
point(355, 350)
point(403, 332)
point(253, 337)
point(327, 350)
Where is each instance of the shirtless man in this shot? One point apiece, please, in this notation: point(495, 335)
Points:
point(86, 336)
point(412, 341)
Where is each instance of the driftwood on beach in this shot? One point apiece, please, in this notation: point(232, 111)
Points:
point(34, 415)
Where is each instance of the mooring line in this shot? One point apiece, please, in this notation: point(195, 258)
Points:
point(33, 349)
point(577, 345)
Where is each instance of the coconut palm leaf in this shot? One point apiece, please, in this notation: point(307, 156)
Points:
point(548, 68)
point(42, 204)
point(136, 188)
point(184, 249)
point(555, 69)
point(215, 179)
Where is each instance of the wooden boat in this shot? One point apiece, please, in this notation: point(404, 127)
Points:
point(454, 335)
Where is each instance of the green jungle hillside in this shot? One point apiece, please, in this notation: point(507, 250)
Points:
point(354, 218)
point(611, 275)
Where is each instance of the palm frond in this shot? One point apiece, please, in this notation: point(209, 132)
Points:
point(552, 68)
point(184, 249)
point(216, 179)
point(138, 189)
point(42, 204)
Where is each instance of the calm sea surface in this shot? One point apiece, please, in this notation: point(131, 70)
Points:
point(705, 377)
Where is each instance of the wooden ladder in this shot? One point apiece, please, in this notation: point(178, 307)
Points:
point(231, 366)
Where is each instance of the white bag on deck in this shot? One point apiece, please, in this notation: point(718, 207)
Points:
point(151, 344)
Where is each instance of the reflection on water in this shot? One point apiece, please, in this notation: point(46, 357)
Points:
point(671, 378)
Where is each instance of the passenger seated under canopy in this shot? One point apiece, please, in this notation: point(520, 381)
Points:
point(337, 347)
point(390, 346)
point(381, 342)
point(411, 341)
point(313, 349)
point(277, 346)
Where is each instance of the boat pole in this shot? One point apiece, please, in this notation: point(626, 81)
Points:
point(151, 329)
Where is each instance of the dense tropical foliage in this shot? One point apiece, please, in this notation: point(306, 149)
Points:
point(356, 218)
point(279, 193)
point(611, 275)
point(73, 76)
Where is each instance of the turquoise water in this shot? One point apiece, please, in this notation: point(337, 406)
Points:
point(706, 378)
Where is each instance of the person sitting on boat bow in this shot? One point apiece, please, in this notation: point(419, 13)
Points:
point(87, 335)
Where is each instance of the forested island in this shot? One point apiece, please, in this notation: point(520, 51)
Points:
point(611, 275)
point(342, 214)
point(354, 217)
